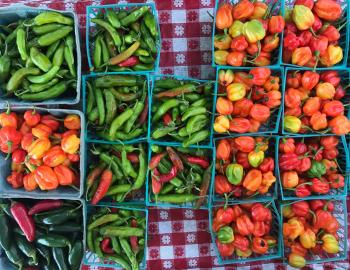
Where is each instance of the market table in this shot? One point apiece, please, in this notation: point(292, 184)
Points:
point(178, 238)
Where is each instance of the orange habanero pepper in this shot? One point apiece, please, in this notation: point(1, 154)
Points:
point(72, 121)
point(70, 144)
point(224, 17)
point(38, 148)
point(54, 157)
point(46, 178)
point(252, 180)
point(65, 176)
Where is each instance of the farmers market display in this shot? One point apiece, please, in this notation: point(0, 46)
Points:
point(314, 35)
point(314, 102)
point(124, 39)
point(312, 231)
point(117, 171)
point(247, 33)
point(116, 106)
point(246, 231)
point(244, 167)
point(117, 235)
point(179, 175)
point(312, 166)
point(181, 111)
point(47, 234)
point(43, 148)
point(38, 59)
point(248, 101)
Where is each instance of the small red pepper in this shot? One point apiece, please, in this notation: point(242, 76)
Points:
point(105, 182)
point(133, 239)
point(8, 119)
point(163, 178)
point(331, 77)
point(155, 160)
point(276, 24)
point(288, 161)
point(302, 191)
point(291, 41)
point(130, 62)
point(198, 160)
point(20, 213)
point(300, 209)
point(156, 185)
point(133, 158)
point(45, 205)
point(50, 121)
point(105, 246)
point(175, 159)
point(331, 33)
point(239, 43)
point(260, 213)
point(267, 165)
point(15, 179)
point(319, 186)
point(167, 119)
point(18, 156)
point(143, 115)
point(31, 118)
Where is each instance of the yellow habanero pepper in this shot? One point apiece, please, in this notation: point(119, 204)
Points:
point(330, 244)
point(38, 148)
point(236, 91)
point(292, 229)
point(70, 144)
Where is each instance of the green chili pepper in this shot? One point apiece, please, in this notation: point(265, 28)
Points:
point(103, 220)
point(52, 48)
point(162, 131)
point(54, 240)
point(122, 14)
point(109, 28)
point(123, 97)
point(114, 165)
point(49, 38)
point(199, 103)
point(45, 253)
point(119, 260)
point(115, 244)
point(15, 256)
point(66, 227)
point(177, 198)
point(27, 249)
point(17, 78)
point(150, 22)
point(97, 52)
point(127, 167)
point(105, 52)
point(129, 136)
point(58, 56)
point(168, 83)
point(110, 45)
point(100, 106)
point(40, 60)
point(50, 93)
point(21, 43)
point(38, 87)
point(111, 106)
point(141, 52)
point(59, 217)
point(90, 98)
point(192, 97)
point(166, 106)
point(75, 255)
point(113, 18)
point(129, 39)
point(118, 189)
point(90, 241)
point(146, 59)
point(134, 16)
point(196, 138)
point(52, 17)
point(129, 253)
point(93, 115)
point(97, 246)
point(5, 65)
point(192, 111)
point(167, 188)
point(143, 67)
point(109, 81)
point(138, 108)
point(46, 28)
point(141, 177)
point(119, 121)
point(60, 258)
point(121, 231)
point(148, 38)
point(69, 54)
point(5, 232)
point(48, 76)
point(196, 123)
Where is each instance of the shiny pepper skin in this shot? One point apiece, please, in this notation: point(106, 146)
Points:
point(330, 244)
point(318, 121)
point(340, 125)
point(292, 124)
point(296, 260)
point(239, 43)
point(253, 31)
point(224, 17)
point(54, 157)
point(311, 106)
point(38, 148)
point(236, 91)
point(303, 17)
point(328, 10)
point(252, 180)
point(70, 144)
point(276, 24)
point(309, 79)
point(72, 121)
point(332, 56)
point(46, 178)
point(32, 118)
point(301, 56)
point(243, 10)
point(290, 179)
point(221, 124)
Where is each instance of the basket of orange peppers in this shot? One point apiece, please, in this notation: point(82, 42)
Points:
point(316, 33)
point(41, 152)
point(245, 168)
point(246, 232)
point(248, 101)
point(316, 102)
point(313, 167)
point(314, 231)
point(247, 33)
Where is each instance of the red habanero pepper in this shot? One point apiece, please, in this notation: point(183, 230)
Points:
point(300, 209)
point(222, 185)
point(276, 24)
point(54, 157)
point(304, 38)
point(316, 204)
point(167, 119)
point(133, 239)
point(8, 119)
point(20, 213)
point(331, 76)
point(225, 216)
point(24, 129)
point(239, 43)
point(103, 186)
point(330, 153)
point(105, 246)
point(225, 250)
point(242, 158)
point(259, 228)
point(45, 205)
point(155, 160)
point(267, 165)
point(304, 165)
point(15, 179)
point(260, 213)
point(130, 62)
point(333, 108)
point(31, 118)
point(143, 115)
point(336, 180)
point(290, 28)
point(10, 138)
point(46, 178)
point(18, 156)
point(319, 186)
point(300, 148)
point(241, 242)
point(198, 160)
point(133, 158)
point(242, 107)
point(287, 145)
point(244, 225)
point(291, 41)
point(73, 157)
point(302, 191)
point(50, 121)
point(317, 23)
point(65, 175)
point(322, 217)
point(244, 144)
point(175, 159)
point(309, 80)
point(259, 245)
point(331, 33)
point(237, 211)
point(239, 125)
point(307, 3)
point(288, 161)
point(260, 75)
point(318, 45)
point(294, 79)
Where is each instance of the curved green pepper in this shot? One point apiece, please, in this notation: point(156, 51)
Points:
point(225, 235)
point(192, 111)
point(18, 77)
point(5, 65)
point(317, 169)
point(109, 28)
point(27, 249)
point(52, 17)
point(40, 60)
point(15, 256)
point(48, 76)
point(234, 173)
point(5, 233)
point(21, 43)
point(52, 37)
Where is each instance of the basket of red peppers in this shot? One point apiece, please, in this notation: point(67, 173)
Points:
point(41, 234)
point(247, 33)
point(179, 177)
point(42, 152)
point(248, 100)
point(316, 102)
point(246, 232)
point(316, 33)
point(313, 167)
point(245, 168)
point(314, 231)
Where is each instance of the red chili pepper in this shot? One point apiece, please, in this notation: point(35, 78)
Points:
point(45, 205)
point(143, 115)
point(18, 156)
point(302, 191)
point(155, 160)
point(105, 183)
point(133, 239)
point(163, 178)
point(198, 160)
point(93, 175)
point(175, 159)
point(31, 117)
point(20, 213)
point(105, 246)
point(156, 185)
point(167, 119)
point(130, 62)
point(291, 41)
point(134, 158)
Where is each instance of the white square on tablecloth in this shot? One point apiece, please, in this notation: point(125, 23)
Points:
point(164, 227)
point(190, 226)
point(204, 16)
point(181, 70)
point(178, 16)
point(192, 251)
point(179, 44)
point(166, 252)
point(205, 43)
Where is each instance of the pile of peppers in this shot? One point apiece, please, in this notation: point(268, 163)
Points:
point(310, 230)
point(244, 230)
point(312, 33)
point(117, 235)
point(117, 107)
point(38, 57)
point(44, 150)
point(309, 166)
point(244, 167)
point(181, 111)
point(43, 234)
point(117, 172)
point(253, 36)
point(314, 103)
point(124, 39)
point(180, 175)
point(246, 100)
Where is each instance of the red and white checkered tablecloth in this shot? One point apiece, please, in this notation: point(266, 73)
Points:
point(178, 238)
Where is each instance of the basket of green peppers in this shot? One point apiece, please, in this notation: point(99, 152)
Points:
point(116, 237)
point(123, 37)
point(42, 234)
point(179, 177)
point(117, 172)
point(40, 61)
point(116, 107)
point(181, 111)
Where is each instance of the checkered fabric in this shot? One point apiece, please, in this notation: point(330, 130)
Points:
point(178, 238)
